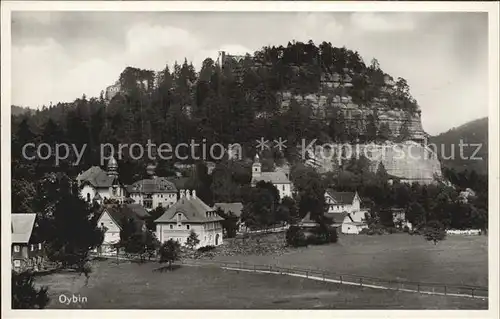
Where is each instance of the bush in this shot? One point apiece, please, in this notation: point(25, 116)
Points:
point(333, 236)
point(365, 231)
point(295, 237)
point(322, 235)
point(206, 248)
point(25, 295)
point(391, 230)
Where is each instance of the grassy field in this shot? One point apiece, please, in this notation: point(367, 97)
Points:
point(134, 286)
point(456, 260)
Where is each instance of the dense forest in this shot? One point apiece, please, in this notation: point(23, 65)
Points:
point(475, 135)
point(220, 103)
point(236, 102)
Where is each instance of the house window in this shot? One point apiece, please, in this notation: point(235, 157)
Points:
point(32, 247)
point(16, 248)
point(187, 226)
point(171, 226)
point(17, 263)
point(283, 187)
point(88, 197)
point(39, 246)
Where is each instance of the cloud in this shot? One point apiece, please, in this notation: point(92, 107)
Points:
point(371, 22)
point(58, 56)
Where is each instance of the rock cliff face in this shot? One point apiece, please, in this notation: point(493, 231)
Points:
point(410, 161)
point(323, 106)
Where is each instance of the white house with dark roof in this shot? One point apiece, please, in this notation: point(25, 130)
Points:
point(339, 202)
point(113, 217)
point(279, 179)
point(98, 185)
point(187, 214)
point(345, 207)
point(153, 192)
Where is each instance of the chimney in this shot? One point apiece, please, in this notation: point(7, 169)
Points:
point(193, 194)
point(182, 193)
point(188, 194)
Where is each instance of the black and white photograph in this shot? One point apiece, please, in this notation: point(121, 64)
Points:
point(265, 158)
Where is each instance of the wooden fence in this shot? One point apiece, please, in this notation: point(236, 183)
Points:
point(326, 276)
point(354, 280)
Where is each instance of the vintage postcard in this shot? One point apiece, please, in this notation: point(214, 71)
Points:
point(273, 156)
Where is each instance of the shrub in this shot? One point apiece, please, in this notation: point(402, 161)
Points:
point(206, 248)
point(391, 230)
point(365, 231)
point(322, 235)
point(333, 236)
point(295, 237)
point(25, 295)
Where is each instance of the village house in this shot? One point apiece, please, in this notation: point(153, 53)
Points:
point(399, 218)
point(153, 192)
point(98, 185)
point(280, 179)
point(235, 208)
point(343, 211)
point(112, 219)
point(188, 214)
point(465, 195)
point(27, 253)
point(346, 206)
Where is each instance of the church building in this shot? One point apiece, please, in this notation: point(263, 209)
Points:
point(279, 179)
point(98, 185)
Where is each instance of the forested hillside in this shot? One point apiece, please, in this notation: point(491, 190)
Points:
point(227, 102)
point(475, 134)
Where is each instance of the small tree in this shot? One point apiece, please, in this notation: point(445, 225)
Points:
point(295, 237)
point(434, 231)
point(170, 251)
point(24, 293)
point(192, 241)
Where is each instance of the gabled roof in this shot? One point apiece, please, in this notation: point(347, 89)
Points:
point(342, 198)
point(139, 210)
point(193, 208)
point(273, 177)
point(235, 208)
point(121, 213)
point(22, 227)
point(153, 185)
point(96, 177)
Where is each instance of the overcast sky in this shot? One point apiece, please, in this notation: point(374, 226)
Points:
point(58, 56)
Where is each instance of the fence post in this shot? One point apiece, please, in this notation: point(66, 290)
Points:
point(270, 268)
point(323, 276)
point(340, 278)
point(361, 282)
point(307, 273)
point(445, 290)
point(472, 290)
point(254, 270)
point(418, 287)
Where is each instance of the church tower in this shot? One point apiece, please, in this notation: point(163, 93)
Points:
point(113, 167)
point(256, 167)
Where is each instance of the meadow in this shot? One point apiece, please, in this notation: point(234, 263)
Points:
point(129, 285)
point(459, 260)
